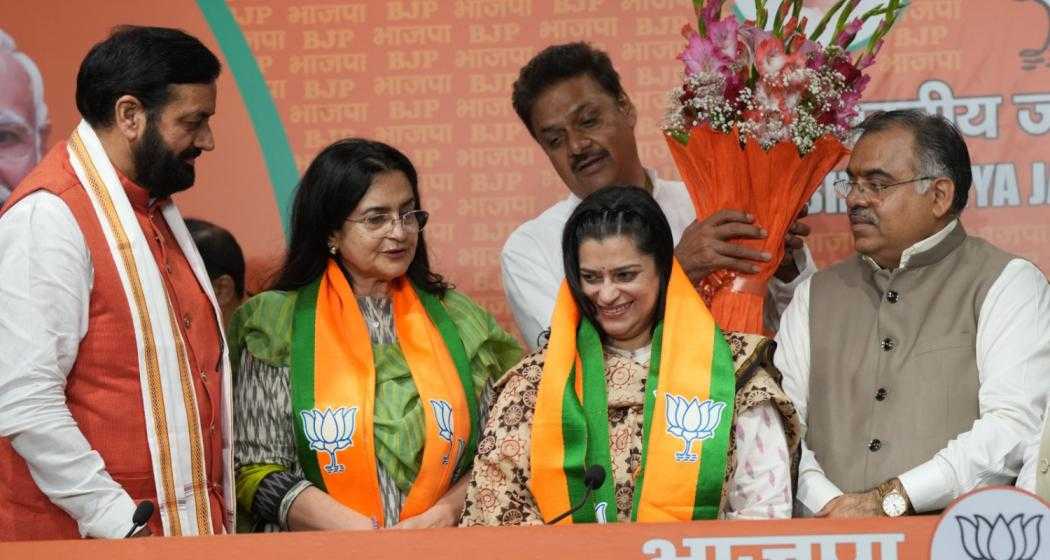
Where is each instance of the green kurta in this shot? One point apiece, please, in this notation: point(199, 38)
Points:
point(262, 328)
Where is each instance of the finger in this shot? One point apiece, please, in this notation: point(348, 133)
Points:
point(793, 243)
point(741, 252)
point(731, 230)
point(738, 265)
point(803, 212)
point(800, 228)
point(727, 216)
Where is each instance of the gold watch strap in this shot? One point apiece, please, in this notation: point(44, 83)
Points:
point(895, 485)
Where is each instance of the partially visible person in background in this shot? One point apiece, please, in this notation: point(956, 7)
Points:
point(24, 123)
point(224, 262)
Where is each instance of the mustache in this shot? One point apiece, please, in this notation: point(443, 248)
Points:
point(191, 153)
point(579, 160)
point(859, 215)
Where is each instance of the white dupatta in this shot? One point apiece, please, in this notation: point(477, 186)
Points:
point(168, 395)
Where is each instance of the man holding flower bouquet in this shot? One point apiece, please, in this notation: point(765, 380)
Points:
point(570, 98)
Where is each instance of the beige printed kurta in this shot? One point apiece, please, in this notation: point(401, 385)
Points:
point(759, 485)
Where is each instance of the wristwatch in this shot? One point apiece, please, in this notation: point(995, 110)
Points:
point(894, 502)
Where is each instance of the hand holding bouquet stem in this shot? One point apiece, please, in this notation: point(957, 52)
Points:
point(758, 122)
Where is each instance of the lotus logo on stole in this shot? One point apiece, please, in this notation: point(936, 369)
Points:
point(692, 420)
point(330, 431)
point(1016, 539)
point(599, 512)
point(443, 413)
point(995, 523)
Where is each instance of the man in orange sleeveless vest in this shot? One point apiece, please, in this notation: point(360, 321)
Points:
point(114, 383)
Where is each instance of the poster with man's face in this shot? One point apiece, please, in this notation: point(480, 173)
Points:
point(23, 116)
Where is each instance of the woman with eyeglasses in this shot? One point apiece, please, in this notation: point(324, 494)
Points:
point(363, 377)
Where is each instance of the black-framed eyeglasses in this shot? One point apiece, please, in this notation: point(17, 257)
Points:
point(412, 221)
point(870, 189)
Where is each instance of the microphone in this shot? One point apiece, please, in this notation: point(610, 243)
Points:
point(141, 516)
point(593, 478)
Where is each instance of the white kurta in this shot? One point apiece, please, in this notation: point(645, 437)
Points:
point(532, 268)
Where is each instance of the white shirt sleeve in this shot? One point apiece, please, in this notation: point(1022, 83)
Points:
point(1013, 365)
point(45, 283)
point(779, 295)
point(761, 485)
point(1026, 477)
point(530, 287)
point(792, 358)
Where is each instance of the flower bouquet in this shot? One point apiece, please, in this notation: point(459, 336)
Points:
point(760, 119)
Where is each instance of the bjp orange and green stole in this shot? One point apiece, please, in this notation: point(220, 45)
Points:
point(333, 393)
point(688, 416)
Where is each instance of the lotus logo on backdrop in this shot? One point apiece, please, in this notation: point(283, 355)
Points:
point(692, 420)
point(330, 431)
point(999, 523)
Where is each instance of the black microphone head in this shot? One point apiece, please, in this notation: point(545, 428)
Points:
point(594, 477)
point(145, 510)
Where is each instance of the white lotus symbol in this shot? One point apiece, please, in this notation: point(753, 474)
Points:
point(692, 420)
point(443, 413)
point(330, 431)
point(1015, 539)
point(599, 512)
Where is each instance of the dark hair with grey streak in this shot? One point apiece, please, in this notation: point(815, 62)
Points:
point(558, 63)
point(940, 148)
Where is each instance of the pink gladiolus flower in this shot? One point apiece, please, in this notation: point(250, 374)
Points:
point(715, 53)
point(697, 51)
point(869, 58)
point(724, 36)
point(712, 10)
point(773, 61)
point(849, 33)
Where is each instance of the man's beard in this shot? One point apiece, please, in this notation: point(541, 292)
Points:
point(159, 170)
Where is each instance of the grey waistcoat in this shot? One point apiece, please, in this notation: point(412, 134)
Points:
point(894, 371)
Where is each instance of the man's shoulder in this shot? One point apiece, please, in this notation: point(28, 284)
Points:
point(985, 249)
point(53, 174)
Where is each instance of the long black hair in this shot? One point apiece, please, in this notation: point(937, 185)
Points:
point(333, 185)
point(614, 211)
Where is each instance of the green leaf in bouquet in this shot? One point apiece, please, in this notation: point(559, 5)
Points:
point(847, 11)
point(892, 10)
point(823, 23)
point(680, 135)
point(701, 25)
point(778, 20)
point(761, 14)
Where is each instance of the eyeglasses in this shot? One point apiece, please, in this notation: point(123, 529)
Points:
point(869, 189)
point(381, 224)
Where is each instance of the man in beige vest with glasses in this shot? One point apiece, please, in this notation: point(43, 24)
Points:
point(921, 366)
